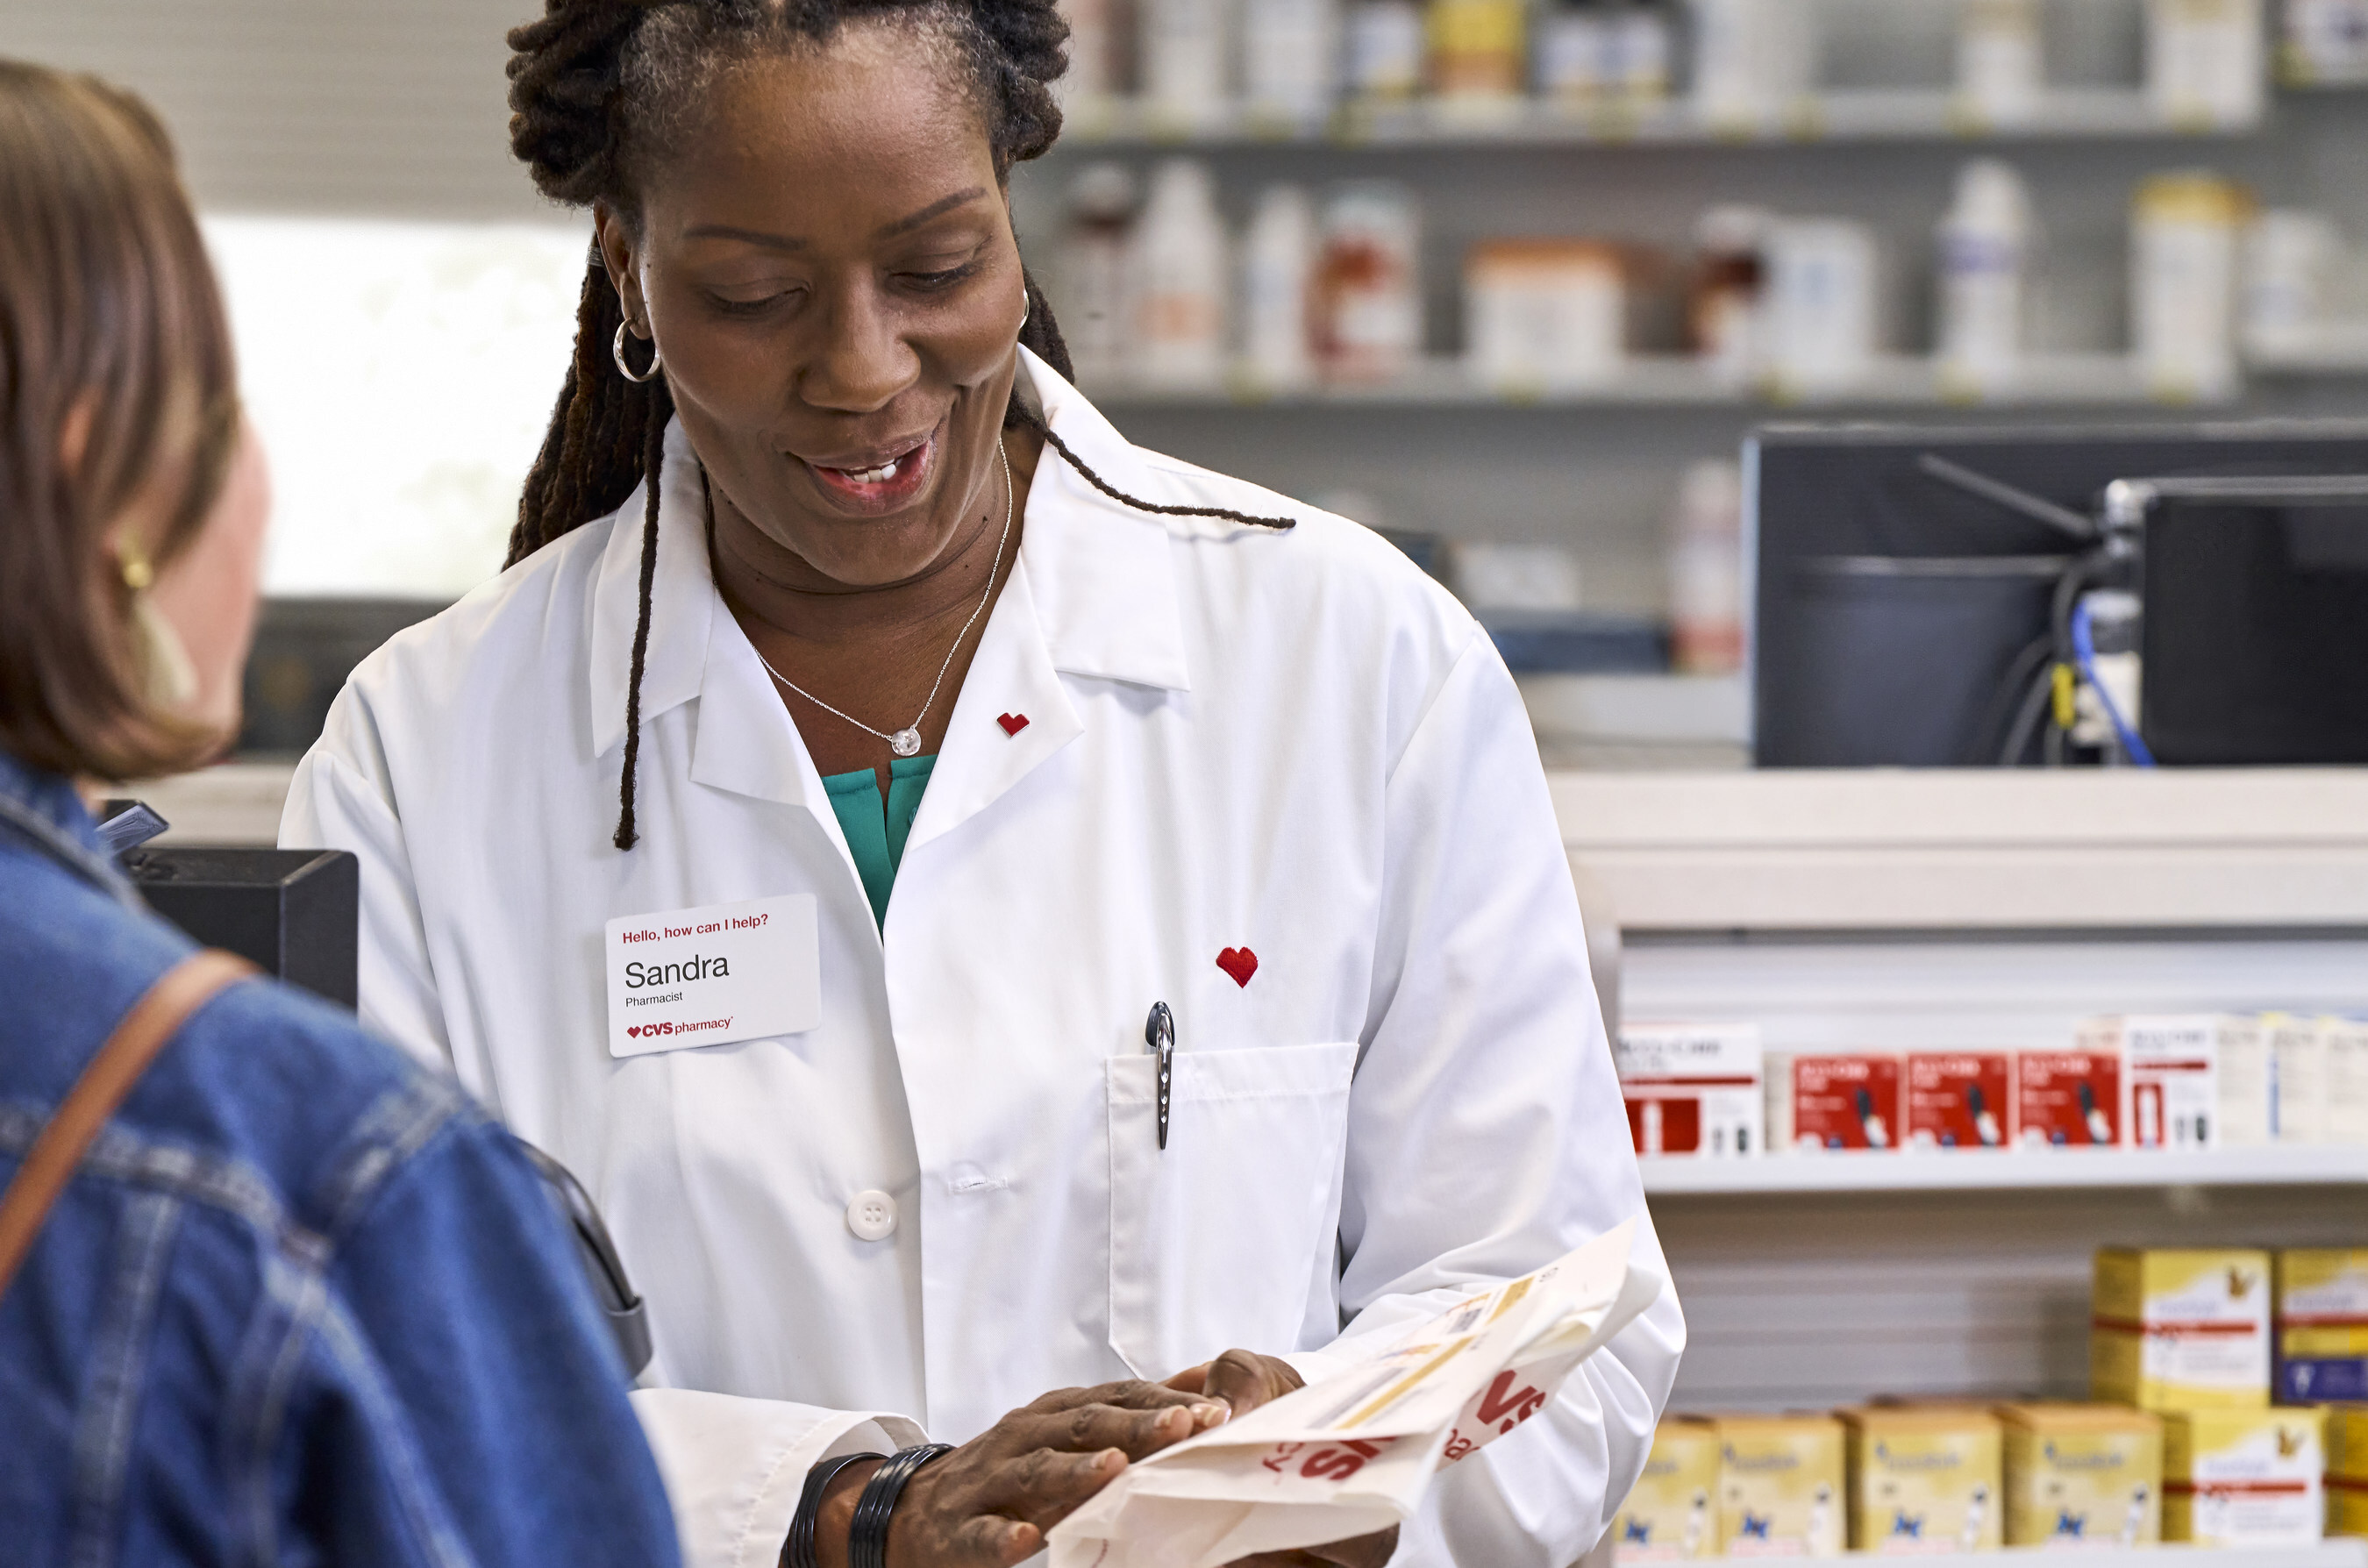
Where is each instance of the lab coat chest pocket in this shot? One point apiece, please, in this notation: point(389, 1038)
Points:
point(1217, 1240)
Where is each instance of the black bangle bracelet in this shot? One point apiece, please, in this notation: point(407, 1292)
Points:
point(867, 1539)
point(798, 1550)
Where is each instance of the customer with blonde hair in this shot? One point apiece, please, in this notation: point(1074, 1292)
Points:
point(269, 1293)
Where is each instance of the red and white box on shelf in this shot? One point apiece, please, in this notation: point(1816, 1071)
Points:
point(1822, 1103)
point(2067, 1100)
point(1960, 1100)
point(1691, 1088)
point(2191, 1081)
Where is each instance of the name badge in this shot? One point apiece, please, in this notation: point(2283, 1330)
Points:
point(711, 976)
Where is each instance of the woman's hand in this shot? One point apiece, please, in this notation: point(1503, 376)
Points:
point(988, 1503)
point(1246, 1379)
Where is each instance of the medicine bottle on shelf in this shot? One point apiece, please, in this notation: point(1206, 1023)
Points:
point(2183, 254)
point(1092, 77)
point(1726, 315)
point(1999, 77)
point(1180, 321)
point(1095, 274)
point(1291, 53)
point(1476, 48)
point(1382, 52)
point(2204, 63)
point(1278, 268)
point(1368, 290)
point(1185, 48)
point(1984, 249)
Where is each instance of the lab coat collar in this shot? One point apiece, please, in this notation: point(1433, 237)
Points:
point(683, 601)
point(1099, 571)
point(1100, 584)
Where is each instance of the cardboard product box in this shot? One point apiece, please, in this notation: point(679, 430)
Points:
point(1692, 1088)
point(2180, 1329)
point(1821, 1102)
point(2347, 1080)
point(1781, 1487)
point(2082, 1475)
point(2298, 1076)
point(2244, 1478)
point(1672, 1514)
point(2191, 1081)
point(1960, 1100)
point(1924, 1479)
point(2347, 1470)
point(2067, 1100)
point(2319, 1315)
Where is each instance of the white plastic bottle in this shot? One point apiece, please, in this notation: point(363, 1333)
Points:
point(1181, 250)
point(1999, 76)
point(1822, 276)
point(1984, 249)
point(1706, 570)
point(1185, 47)
point(2206, 62)
point(1383, 50)
point(1278, 268)
point(1751, 59)
point(1291, 54)
point(2183, 253)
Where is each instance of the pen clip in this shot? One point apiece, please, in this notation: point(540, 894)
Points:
point(1159, 1039)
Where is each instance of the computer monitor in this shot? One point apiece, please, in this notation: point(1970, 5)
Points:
point(1906, 589)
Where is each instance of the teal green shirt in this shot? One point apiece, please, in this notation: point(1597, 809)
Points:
point(876, 834)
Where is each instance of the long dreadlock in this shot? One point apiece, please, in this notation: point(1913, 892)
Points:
point(596, 87)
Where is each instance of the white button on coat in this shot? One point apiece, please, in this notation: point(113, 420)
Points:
point(872, 1216)
point(1288, 745)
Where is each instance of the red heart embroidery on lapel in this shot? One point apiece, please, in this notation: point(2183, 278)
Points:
point(1013, 722)
point(1240, 962)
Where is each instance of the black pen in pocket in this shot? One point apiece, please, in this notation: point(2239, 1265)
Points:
point(1159, 1039)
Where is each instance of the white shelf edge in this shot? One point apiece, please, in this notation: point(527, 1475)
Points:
point(2069, 380)
point(2334, 1552)
point(1840, 116)
point(1970, 1171)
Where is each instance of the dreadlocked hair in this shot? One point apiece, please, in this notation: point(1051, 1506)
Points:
point(600, 90)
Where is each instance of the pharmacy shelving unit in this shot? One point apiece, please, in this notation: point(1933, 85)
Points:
point(2325, 1555)
point(1837, 117)
point(1598, 467)
point(1646, 381)
point(1880, 910)
point(2015, 1171)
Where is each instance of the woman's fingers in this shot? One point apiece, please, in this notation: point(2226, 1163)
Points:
point(1246, 1379)
point(1045, 1487)
point(1191, 1380)
point(994, 1541)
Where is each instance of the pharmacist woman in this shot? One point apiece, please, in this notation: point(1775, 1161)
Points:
point(869, 751)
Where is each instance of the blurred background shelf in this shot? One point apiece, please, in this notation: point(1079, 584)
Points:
point(2062, 381)
point(1985, 1171)
point(1840, 116)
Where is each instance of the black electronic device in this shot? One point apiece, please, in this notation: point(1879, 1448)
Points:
point(1915, 588)
point(295, 913)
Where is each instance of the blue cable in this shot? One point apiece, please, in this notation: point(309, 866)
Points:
point(2084, 653)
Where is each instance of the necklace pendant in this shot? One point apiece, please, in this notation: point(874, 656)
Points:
point(905, 743)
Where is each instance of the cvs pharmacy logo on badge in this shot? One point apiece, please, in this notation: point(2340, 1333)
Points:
point(652, 1031)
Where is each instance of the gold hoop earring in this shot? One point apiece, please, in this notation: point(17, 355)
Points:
point(617, 352)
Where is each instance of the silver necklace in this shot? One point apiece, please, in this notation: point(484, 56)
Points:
point(906, 742)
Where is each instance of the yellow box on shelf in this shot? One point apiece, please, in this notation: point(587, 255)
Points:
point(1924, 1479)
point(2082, 1475)
point(2244, 1478)
point(2180, 1328)
point(1671, 1516)
point(2320, 1314)
point(2347, 1470)
point(1780, 1492)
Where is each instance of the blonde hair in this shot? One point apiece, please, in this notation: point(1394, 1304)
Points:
point(108, 313)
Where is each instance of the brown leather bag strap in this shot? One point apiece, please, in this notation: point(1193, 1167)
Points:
point(144, 1031)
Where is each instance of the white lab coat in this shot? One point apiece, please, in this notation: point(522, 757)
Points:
point(1293, 743)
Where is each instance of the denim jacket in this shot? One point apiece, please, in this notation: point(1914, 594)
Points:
point(302, 1303)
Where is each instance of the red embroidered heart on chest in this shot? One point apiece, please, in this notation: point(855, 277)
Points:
point(1240, 962)
point(1013, 722)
